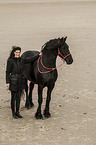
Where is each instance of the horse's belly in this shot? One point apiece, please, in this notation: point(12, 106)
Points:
point(29, 72)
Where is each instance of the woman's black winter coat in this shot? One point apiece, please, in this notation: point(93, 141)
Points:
point(14, 72)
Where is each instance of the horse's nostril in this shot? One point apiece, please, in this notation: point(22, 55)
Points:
point(70, 61)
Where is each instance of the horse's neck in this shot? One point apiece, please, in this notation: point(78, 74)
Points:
point(49, 60)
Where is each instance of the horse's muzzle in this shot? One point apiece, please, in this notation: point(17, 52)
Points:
point(69, 60)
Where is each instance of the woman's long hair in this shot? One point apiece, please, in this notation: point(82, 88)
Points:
point(14, 48)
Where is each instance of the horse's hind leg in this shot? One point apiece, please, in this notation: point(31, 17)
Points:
point(38, 114)
point(27, 104)
point(30, 94)
point(46, 111)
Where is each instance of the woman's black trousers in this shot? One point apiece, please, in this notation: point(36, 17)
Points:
point(15, 101)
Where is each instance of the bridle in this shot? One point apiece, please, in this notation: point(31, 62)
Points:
point(51, 69)
point(60, 54)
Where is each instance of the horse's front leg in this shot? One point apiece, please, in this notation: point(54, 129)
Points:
point(46, 111)
point(30, 94)
point(38, 114)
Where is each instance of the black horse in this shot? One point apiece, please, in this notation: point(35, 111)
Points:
point(43, 71)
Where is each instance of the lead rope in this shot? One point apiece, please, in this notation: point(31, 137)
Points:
point(51, 69)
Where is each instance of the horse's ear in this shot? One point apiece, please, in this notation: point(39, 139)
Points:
point(65, 38)
point(62, 38)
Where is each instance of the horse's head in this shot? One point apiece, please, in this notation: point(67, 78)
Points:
point(59, 44)
point(63, 51)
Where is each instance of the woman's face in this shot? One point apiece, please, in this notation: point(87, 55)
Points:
point(17, 53)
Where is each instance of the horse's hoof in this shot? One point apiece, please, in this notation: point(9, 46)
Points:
point(27, 106)
point(47, 115)
point(31, 105)
point(38, 116)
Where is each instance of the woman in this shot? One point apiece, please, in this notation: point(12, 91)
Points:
point(15, 80)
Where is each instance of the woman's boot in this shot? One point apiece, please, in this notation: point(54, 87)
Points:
point(18, 114)
point(14, 115)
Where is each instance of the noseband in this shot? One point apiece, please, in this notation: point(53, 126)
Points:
point(60, 54)
point(51, 69)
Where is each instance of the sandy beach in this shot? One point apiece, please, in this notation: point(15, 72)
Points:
point(29, 24)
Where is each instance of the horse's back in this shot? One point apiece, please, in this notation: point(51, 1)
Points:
point(29, 68)
point(29, 53)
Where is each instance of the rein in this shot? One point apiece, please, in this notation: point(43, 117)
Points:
point(51, 69)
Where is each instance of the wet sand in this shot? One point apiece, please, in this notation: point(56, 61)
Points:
point(73, 105)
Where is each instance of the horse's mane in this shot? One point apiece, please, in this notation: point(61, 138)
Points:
point(49, 44)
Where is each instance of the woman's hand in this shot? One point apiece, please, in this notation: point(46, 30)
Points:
point(8, 85)
point(40, 53)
